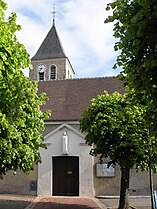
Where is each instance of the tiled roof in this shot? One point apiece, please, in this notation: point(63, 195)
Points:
point(51, 47)
point(69, 98)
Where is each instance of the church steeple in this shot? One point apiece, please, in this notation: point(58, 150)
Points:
point(51, 47)
point(50, 61)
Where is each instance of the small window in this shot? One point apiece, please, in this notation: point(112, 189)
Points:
point(41, 72)
point(53, 72)
point(41, 76)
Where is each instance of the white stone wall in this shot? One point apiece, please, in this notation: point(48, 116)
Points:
point(69, 70)
point(76, 147)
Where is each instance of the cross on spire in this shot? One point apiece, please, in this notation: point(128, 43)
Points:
point(54, 12)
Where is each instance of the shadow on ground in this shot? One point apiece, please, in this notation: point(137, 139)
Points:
point(13, 204)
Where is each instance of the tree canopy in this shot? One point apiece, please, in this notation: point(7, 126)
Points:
point(116, 129)
point(135, 27)
point(21, 119)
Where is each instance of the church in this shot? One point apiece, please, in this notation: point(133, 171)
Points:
point(67, 169)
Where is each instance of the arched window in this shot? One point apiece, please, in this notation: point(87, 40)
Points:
point(53, 72)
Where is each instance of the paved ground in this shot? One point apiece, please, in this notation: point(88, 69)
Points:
point(15, 202)
point(25, 202)
point(137, 202)
point(28, 202)
point(66, 203)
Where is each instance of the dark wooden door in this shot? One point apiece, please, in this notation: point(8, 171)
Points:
point(66, 176)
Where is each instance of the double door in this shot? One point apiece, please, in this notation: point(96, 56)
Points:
point(66, 176)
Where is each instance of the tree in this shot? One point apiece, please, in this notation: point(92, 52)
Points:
point(21, 119)
point(135, 27)
point(116, 130)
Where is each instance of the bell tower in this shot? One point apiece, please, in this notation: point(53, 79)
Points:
point(50, 61)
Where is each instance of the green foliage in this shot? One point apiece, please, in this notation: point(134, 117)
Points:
point(21, 119)
point(116, 129)
point(135, 27)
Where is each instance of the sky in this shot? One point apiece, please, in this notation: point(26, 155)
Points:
point(87, 41)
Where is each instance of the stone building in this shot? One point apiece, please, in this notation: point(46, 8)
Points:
point(67, 168)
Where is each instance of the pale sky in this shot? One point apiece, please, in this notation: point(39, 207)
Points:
point(87, 41)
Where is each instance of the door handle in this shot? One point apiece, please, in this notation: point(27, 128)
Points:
point(69, 172)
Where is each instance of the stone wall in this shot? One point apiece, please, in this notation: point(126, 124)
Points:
point(61, 65)
point(19, 183)
point(139, 183)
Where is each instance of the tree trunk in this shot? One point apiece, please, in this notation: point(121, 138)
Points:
point(124, 190)
point(151, 188)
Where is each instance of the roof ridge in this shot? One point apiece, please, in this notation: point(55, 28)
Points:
point(94, 77)
point(87, 78)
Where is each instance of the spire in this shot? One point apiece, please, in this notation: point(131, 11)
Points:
point(54, 12)
point(51, 47)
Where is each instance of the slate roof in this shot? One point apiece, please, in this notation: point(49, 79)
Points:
point(69, 98)
point(51, 47)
